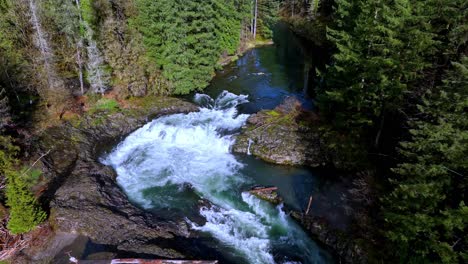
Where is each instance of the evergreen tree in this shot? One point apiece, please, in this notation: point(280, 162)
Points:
point(186, 38)
point(381, 47)
point(425, 212)
point(267, 17)
point(25, 212)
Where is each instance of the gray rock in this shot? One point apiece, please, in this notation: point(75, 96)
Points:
point(347, 249)
point(268, 194)
point(286, 135)
point(83, 194)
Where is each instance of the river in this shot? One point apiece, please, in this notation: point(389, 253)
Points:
point(182, 165)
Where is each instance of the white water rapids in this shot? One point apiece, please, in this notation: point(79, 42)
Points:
point(194, 149)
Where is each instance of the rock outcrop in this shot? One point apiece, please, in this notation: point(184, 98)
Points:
point(286, 135)
point(83, 194)
point(342, 243)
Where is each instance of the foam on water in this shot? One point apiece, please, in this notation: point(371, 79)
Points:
point(194, 149)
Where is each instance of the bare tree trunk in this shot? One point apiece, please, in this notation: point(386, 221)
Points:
point(252, 20)
point(79, 61)
point(79, 47)
point(292, 7)
point(381, 126)
point(255, 19)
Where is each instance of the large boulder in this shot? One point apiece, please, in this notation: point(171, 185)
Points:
point(286, 135)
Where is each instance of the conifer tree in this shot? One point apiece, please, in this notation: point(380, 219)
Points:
point(186, 38)
point(380, 49)
point(426, 214)
point(25, 212)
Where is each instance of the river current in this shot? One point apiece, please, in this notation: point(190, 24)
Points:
point(175, 161)
point(181, 166)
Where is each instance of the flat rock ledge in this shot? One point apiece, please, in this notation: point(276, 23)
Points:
point(83, 194)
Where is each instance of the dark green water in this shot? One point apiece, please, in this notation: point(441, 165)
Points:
point(268, 74)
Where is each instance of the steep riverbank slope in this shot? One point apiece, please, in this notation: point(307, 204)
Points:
point(83, 195)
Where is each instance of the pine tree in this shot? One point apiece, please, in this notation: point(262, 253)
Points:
point(186, 38)
point(267, 17)
point(426, 214)
point(25, 212)
point(381, 48)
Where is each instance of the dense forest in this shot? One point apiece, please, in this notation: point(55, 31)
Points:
point(393, 97)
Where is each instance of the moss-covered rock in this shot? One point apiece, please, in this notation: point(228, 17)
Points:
point(267, 194)
point(286, 135)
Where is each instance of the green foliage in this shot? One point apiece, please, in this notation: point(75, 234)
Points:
point(384, 51)
point(267, 17)
point(426, 214)
point(149, 47)
point(30, 175)
point(7, 154)
point(25, 212)
point(381, 47)
point(13, 70)
point(87, 11)
point(186, 38)
point(105, 105)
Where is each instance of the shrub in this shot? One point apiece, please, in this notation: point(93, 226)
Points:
point(104, 104)
point(25, 212)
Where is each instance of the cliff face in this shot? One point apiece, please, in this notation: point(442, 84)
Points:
point(83, 194)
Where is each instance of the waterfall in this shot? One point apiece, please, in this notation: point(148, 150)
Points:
point(248, 147)
point(41, 43)
point(97, 76)
point(156, 163)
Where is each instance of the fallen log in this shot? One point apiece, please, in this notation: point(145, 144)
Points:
point(268, 189)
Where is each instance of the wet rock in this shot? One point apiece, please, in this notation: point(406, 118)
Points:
point(286, 135)
point(347, 249)
point(268, 194)
point(83, 194)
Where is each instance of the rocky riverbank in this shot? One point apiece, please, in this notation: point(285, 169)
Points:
point(82, 193)
point(291, 135)
point(343, 226)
